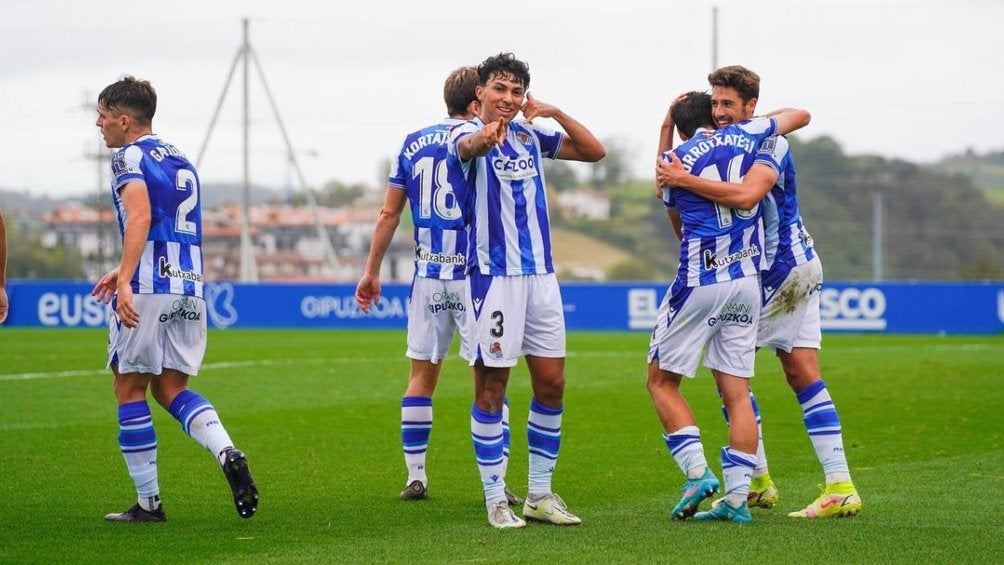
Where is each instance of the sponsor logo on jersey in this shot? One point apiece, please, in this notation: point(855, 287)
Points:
point(186, 309)
point(713, 262)
point(446, 302)
point(514, 168)
point(735, 313)
point(440, 258)
point(166, 270)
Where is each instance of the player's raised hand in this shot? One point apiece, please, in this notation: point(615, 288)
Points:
point(670, 173)
point(534, 108)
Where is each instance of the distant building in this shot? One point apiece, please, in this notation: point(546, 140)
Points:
point(286, 240)
point(588, 203)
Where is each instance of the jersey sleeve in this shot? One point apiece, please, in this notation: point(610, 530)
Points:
point(456, 134)
point(126, 166)
point(550, 140)
point(398, 169)
point(772, 152)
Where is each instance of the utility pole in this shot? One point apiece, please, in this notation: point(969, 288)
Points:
point(246, 55)
point(714, 37)
point(100, 156)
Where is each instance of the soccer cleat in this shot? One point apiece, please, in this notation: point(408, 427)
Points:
point(242, 485)
point(502, 517)
point(415, 491)
point(549, 508)
point(137, 514)
point(837, 500)
point(725, 512)
point(511, 498)
point(763, 493)
point(694, 491)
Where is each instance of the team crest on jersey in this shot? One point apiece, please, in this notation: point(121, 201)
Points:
point(495, 350)
point(524, 138)
point(119, 166)
point(768, 145)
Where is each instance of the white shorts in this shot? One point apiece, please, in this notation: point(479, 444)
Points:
point(512, 316)
point(437, 309)
point(722, 316)
point(171, 335)
point(790, 314)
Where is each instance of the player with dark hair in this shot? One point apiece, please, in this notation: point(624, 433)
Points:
point(516, 307)
point(790, 327)
point(438, 303)
point(157, 329)
point(713, 303)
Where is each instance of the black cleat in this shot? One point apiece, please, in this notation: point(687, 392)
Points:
point(241, 483)
point(415, 491)
point(138, 514)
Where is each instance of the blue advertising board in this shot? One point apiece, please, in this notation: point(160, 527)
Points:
point(952, 308)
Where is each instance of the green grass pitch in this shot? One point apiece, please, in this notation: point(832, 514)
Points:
point(317, 413)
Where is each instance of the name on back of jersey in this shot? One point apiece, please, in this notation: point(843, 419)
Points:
point(435, 138)
point(700, 148)
point(161, 152)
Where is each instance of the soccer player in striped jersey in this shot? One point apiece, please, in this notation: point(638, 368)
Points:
point(792, 278)
point(713, 302)
point(157, 329)
point(516, 307)
point(438, 305)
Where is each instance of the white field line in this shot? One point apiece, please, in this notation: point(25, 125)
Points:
point(223, 365)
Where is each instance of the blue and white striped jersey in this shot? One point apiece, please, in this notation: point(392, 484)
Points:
point(172, 260)
point(785, 237)
point(436, 193)
point(510, 231)
point(719, 243)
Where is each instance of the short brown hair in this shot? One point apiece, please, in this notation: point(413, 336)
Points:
point(132, 95)
point(460, 89)
point(744, 81)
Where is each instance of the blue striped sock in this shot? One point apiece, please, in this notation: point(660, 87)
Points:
point(737, 471)
point(486, 433)
point(201, 422)
point(416, 425)
point(138, 443)
point(543, 437)
point(823, 424)
point(686, 448)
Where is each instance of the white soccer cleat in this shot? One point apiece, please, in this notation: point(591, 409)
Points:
point(549, 508)
point(502, 517)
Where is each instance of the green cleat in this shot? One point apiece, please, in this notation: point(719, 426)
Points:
point(837, 500)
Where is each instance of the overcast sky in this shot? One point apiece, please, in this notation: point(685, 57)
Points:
point(914, 79)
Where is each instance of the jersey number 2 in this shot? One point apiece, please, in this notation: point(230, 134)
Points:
point(186, 180)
